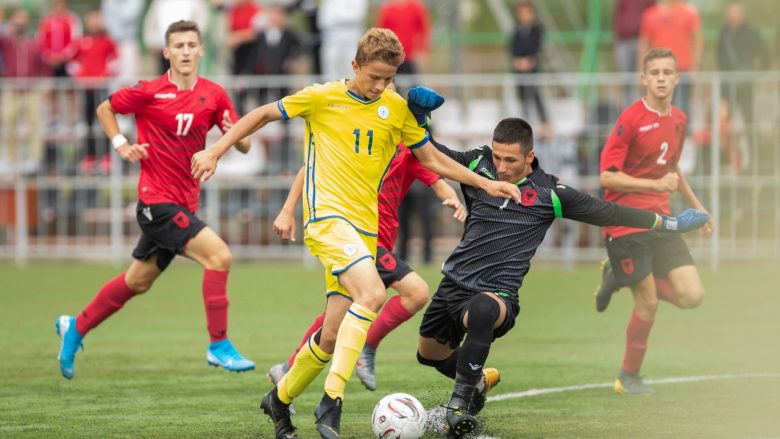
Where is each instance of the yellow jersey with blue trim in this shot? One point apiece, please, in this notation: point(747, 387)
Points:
point(349, 144)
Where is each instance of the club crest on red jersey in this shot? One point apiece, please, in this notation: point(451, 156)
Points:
point(528, 197)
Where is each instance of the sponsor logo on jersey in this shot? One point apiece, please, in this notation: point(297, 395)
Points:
point(620, 130)
point(487, 172)
point(165, 95)
point(383, 112)
point(350, 249)
point(652, 126)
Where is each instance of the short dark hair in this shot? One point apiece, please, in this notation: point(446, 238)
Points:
point(181, 26)
point(658, 52)
point(515, 130)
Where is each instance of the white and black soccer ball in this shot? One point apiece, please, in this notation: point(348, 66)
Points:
point(398, 416)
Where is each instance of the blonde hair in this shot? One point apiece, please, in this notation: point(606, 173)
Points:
point(379, 45)
point(659, 52)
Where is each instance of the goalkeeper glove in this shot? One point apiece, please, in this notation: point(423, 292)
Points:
point(689, 219)
point(422, 101)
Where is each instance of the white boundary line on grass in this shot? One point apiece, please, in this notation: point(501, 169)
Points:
point(673, 380)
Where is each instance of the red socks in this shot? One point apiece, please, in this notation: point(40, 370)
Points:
point(315, 326)
point(637, 333)
point(108, 300)
point(216, 303)
point(392, 315)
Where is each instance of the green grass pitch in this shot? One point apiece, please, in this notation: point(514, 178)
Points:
point(144, 374)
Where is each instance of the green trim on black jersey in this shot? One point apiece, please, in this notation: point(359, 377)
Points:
point(518, 183)
point(557, 207)
point(473, 164)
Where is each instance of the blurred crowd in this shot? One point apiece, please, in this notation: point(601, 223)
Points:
point(96, 51)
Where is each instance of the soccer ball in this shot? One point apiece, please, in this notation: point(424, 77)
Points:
point(399, 416)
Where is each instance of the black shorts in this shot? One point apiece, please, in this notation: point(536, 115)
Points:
point(391, 268)
point(443, 320)
point(165, 229)
point(634, 257)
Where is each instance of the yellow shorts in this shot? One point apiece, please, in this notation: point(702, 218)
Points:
point(338, 246)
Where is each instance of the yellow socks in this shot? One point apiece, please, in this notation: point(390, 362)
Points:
point(307, 365)
point(349, 343)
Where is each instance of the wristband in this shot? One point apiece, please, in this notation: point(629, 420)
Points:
point(118, 140)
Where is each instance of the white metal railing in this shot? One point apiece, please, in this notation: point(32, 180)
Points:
point(54, 205)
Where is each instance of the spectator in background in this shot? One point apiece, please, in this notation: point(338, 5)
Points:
point(21, 102)
point(276, 48)
point(740, 47)
point(410, 22)
point(525, 49)
point(626, 21)
point(341, 24)
point(673, 24)
point(93, 64)
point(162, 13)
point(244, 18)
point(122, 19)
point(312, 39)
point(56, 33)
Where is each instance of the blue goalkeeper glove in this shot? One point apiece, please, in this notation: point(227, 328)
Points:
point(689, 219)
point(422, 101)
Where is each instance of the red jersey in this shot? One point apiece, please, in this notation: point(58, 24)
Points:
point(404, 169)
point(672, 27)
point(94, 53)
point(56, 34)
point(644, 144)
point(174, 123)
point(409, 21)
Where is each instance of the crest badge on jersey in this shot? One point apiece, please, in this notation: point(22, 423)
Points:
point(528, 197)
point(383, 112)
point(350, 249)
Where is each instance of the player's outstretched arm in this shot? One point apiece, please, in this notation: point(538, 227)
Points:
point(242, 145)
point(693, 201)
point(621, 182)
point(284, 224)
point(204, 163)
point(578, 206)
point(129, 152)
point(433, 159)
point(449, 198)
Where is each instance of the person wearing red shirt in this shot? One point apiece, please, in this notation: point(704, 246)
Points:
point(56, 34)
point(243, 23)
point(639, 168)
point(410, 22)
point(90, 67)
point(173, 114)
point(673, 24)
point(413, 292)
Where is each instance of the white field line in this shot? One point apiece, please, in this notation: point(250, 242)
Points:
point(673, 380)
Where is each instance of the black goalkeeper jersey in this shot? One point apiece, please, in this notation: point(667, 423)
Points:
point(500, 237)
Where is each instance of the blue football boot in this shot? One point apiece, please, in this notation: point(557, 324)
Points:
point(223, 354)
point(69, 344)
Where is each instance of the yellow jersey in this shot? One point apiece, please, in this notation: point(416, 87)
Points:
point(349, 144)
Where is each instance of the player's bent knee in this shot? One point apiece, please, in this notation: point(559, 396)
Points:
point(691, 298)
point(483, 312)
point(220, 260)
